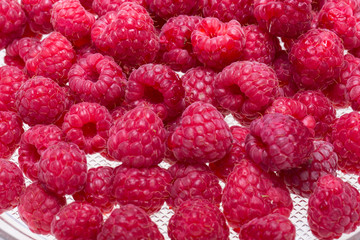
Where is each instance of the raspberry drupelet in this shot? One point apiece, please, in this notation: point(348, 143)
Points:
point(11, 129)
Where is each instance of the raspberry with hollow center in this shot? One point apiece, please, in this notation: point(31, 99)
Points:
point(20, 50)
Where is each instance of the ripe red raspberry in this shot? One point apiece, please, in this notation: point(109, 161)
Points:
point(33, 142)
point(71, 19)
point(175, 42)
point(317, 57)
point(251, 192)
point(54, 59)
point(11, 129)
point(202, 136)
point(97, 78)
point(225, 166)
point(101, 7)
point(129, 222)
point(128, 35)
point(333, 208)
point(190, 182)
point(62, 168)
point(198, 219)
point(159, 86)
point(272, 226)
point(98, 189)
point(12, 185)
point(217, 44)
point(302, 180)
point(20, 50)
point(37, 208)
point(79, 221)
point(246, 88)
point(87, 125)
point(170, 8)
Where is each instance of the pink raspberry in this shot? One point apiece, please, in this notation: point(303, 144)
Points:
point(159, 86)
point(217, 44)
point(170, 8)
point(128, 35)
point(101, 7)
point(20, 50)
point(272, 226)
point(333, 208)
point(37, 208)
point(33, 143)
point(175, 42)
point(129, 222)
point(11, 129)
point(190, 182)
point(198, 219)
point(54, 59)
point(97, 78)
point(87, 125)
point(251, 192)
point(62, 168)
point(202, 136)
point(79, 221)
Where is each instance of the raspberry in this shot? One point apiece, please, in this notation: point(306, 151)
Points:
point(350, 78)
point(54, 59)
point(37, 208)
point(98, 189)
point(202, 136)
point(217, 44)
point(33, 143)
point(302, 180)
point(87, 125)
point(190, 182)
point(317, 58)
point(138, 138)
point(225, 166)
point(97, 78)
point(11, 79)
point(159, 86)
point(246, 88)
point(145, 187)
point(170, 8)
point(10, 133)
point(101, 7)
point(272, 226)
point(128, 35)
point(198, 219)
point(62, 168)
point(20, 50)
point(283, 18)
point(251, 192)
point(71, 19)
point(175, 42)
point(79, 221)
point(129, 222)
point(333, 208)
point(40, 100)
point(11, 187)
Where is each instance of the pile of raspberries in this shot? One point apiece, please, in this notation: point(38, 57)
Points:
point(143, 82)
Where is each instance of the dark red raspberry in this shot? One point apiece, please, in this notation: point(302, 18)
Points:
point(20, 50)
point(246, 88)
point(87, 125)
point(175, 42)
point(37, 208)
point(71, 19)
point(33, 142)
point(101, 7)
point(62, 168)
point(97, 78)
point(159, 86)
point(40, 100)
point(98, 189)
point(77, 221)
point(170, 8)
point(333, 208)
point(198, 219)
point(190, 182)
point(272, 226)
point(277, 142)
point(225, 166)
point(202, 136)
point(251, 192)
point(302, 180)
point(128, 35)
point(145, 187)
point(11, 129)
point(217, 44)
point(317, 58)
point(129, 222)
point(12, 185)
